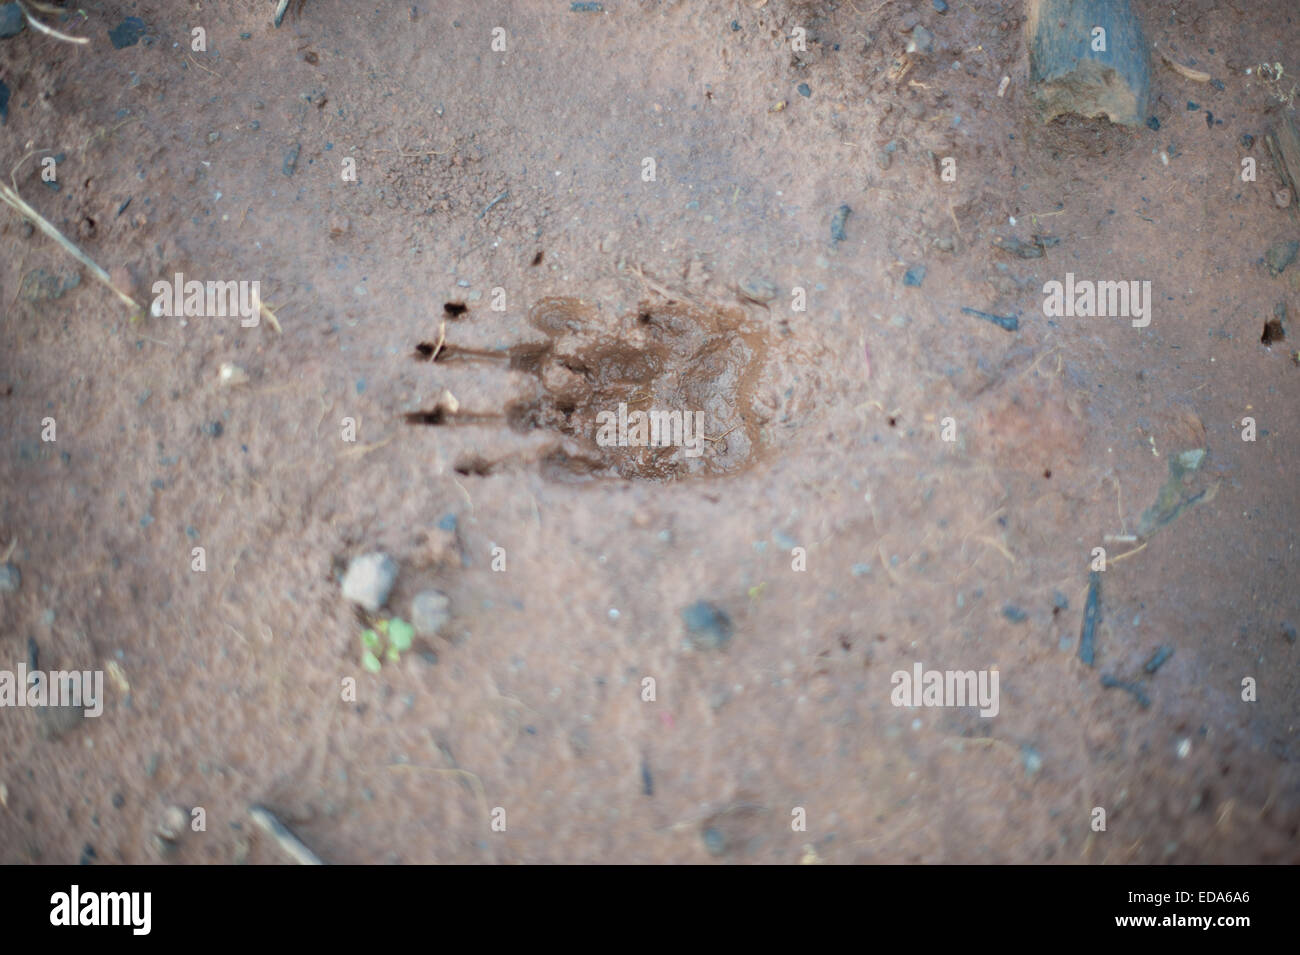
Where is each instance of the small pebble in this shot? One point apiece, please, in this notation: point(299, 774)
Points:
point(173, 824)
point(804, 89)
point(10, 578)
point(837, 224)
point(1014, 614)
point(715, 841)
point(429, 612)
point(922, 41)
point(369, 579)
point(707, 626)
point(914, 276)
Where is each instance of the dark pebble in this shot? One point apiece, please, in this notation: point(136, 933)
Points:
point(118, 800)
point(708, 626)
point(214, 429)
point(1288, 631)
point(715, 841)
point(291, 159)
point(10, 578)
point(87, 855)
point(1153, 123)
point(804, 89)
point(586, 7)
point(1060, 601)
point(837, 224)
point(647, 781)
point(1091, 617)
point(12, 20)
point(1192, 107)
point(1014, 614)
point(914, 276)
point(127, 33)
point(735, 26)
point(940, 6)
point(1247, 140)
point(1218, 85)
point(4, 102)
point(1008, 323)
point(1158, 659)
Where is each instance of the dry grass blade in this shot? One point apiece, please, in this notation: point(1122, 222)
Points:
point(1194, 75)
point(49, 31)
point(16, 202)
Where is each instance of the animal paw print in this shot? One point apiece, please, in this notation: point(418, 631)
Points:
point(663, 393)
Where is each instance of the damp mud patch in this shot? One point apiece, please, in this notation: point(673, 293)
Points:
point(664, 392)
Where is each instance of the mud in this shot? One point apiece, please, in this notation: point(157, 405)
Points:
point(888, 476)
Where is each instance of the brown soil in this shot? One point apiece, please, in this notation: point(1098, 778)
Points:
point(517, 177)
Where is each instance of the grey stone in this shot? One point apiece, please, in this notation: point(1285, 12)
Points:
point(12, 21)
point(430, 613)
point(922, 41)
point(708, 627)
point(369, 579)
point(1280, 255)
point(11, 578)
point(41, 286)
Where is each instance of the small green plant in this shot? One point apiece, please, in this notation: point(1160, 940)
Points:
point(387, 640)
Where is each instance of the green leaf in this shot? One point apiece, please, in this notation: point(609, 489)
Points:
point(370, 662)
point(370, 640)
point(392, 655)
point(400, 633)
point(382, 626)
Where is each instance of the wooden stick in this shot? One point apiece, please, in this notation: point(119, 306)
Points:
point(293, 847)
point(16, 201)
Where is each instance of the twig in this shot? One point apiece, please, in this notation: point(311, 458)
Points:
point(293, 847)
point(14, 200)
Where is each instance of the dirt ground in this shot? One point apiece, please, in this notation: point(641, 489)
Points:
point(837, 533)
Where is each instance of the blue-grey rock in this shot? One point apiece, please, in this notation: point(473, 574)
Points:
point(12, 21)
point(708, 627)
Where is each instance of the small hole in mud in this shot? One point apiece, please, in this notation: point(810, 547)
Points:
point(523, 417)
point(893, 422)
point(473, 467)
point(1273, 332)
point(311, 57)
point(846, 644)
point(1048, 473)
point(537, 259)
point(644, 318)
point(424, 351)
point(455, 309)
point(435, 417)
